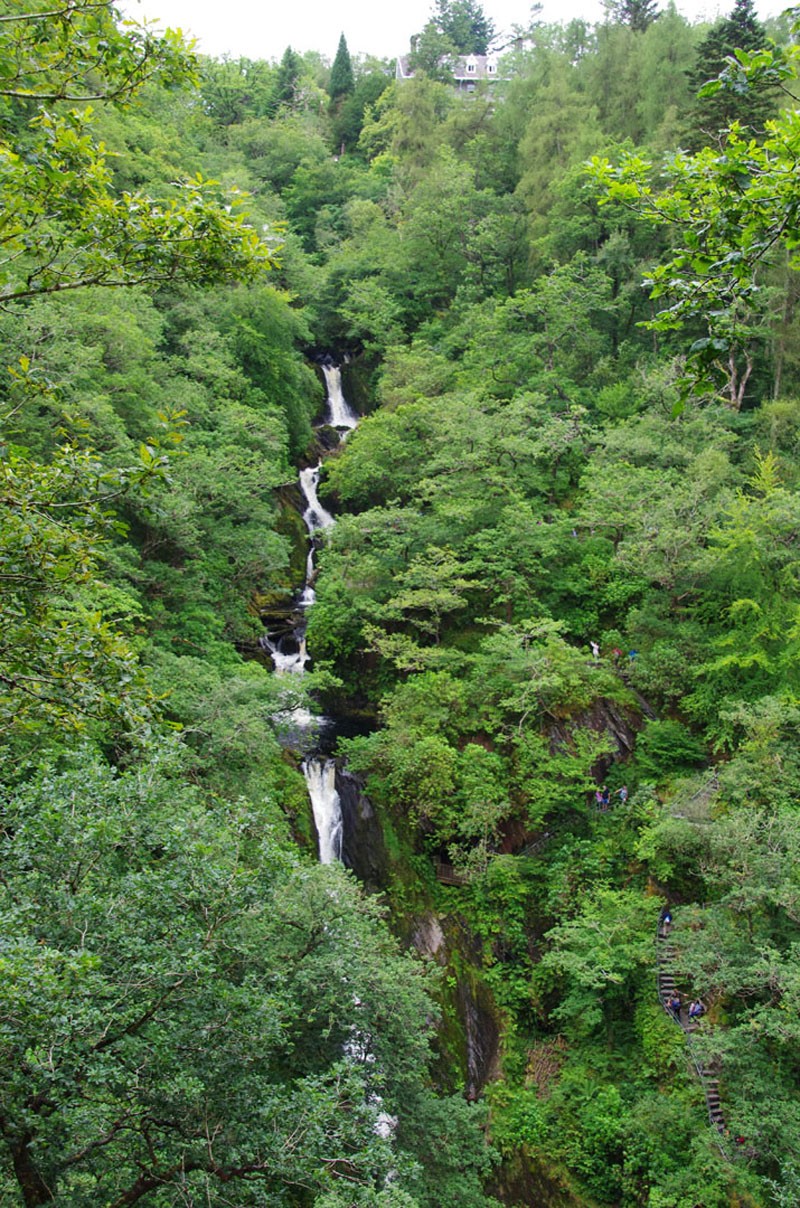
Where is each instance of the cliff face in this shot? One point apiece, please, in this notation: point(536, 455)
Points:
point(363, 847)
point(619, 722)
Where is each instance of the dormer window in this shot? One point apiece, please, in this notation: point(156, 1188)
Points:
point(491, 69)
point(470, 67)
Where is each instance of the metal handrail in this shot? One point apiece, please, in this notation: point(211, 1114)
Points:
point(532, 848)
point(711, 784)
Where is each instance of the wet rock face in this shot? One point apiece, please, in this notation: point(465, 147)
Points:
point(363, 848)
point(428, 938)
point(478, 1031)
point(482, 1035)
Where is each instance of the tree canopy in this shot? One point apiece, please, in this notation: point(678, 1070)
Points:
point(557, 617)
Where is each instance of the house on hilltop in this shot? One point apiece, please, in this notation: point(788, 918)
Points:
point(467, 70)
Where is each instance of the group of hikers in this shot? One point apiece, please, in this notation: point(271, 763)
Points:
point(675, 1006)
point(673, 1003)
point(615, 655)
point(603, 796)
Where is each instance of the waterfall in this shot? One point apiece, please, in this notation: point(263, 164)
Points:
point(342, 414)
point(315, 516)
point(288, 662)
point(320, 771)
point(320, 777)
point(308, 595)
point(288, 652)
point(288, 648)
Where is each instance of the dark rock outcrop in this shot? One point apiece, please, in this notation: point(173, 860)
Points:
point(363, 849)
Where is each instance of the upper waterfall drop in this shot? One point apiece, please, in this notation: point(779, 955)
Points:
point(342, 414)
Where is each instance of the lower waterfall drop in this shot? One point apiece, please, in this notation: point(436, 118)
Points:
point(320, 777)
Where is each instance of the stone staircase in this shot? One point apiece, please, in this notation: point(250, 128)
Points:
point(667, 987)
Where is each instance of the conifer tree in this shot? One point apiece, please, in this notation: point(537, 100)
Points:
point(342, 80)
point(466, 25)
point(286, 79)
point(636, 13)
point(739, 31)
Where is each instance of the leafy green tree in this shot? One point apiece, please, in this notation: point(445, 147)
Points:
point(78, 53)
point(545, 338)
point(433, 53)
point(349, 119)
point(602, 953)
point(614, 75)
point(735, 215)
point(63, 225)
point(755, 653)
point(406, 125)
point(561, 131)
point(276, 148)
point(665, 54)
point(431, 589)
point(236, 90)
point(187, 955)
point(64, 663)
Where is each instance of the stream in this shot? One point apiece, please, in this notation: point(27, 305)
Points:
point(288, 650)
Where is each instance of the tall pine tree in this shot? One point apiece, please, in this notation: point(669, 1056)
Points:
point(286, 80)
point(636, 13)
point(739, 31)
point(466, 25)
point(342, 80)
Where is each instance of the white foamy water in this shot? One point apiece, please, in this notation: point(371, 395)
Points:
point(315, 516)
point(320, 777)
point(292, 662)
point(342, 414)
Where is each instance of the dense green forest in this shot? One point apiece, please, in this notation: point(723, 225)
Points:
point(565, 560)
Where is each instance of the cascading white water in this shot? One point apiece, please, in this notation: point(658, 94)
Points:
point(309, 595)
point(342, 414)
point(320, 773)
point(320, 777)
point(288, 649)
point(315, 516)
point(293, 661)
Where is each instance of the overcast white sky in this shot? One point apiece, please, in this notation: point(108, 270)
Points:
point(262, 29)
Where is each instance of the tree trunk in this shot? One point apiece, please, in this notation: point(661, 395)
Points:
point(32, 1185)
point(737, 382)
